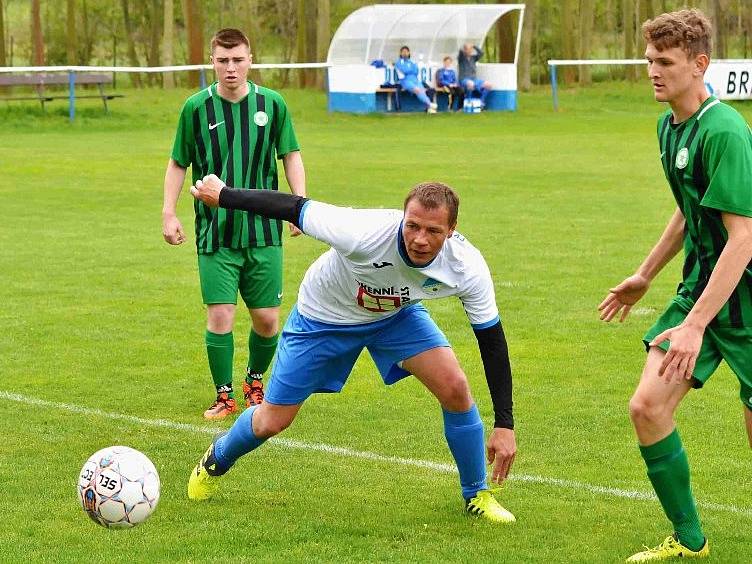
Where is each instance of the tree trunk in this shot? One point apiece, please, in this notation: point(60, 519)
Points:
point(3, 60)
point(37, 39)
point(195, 31)
point(252, 32)
point(568, 34)
point(311, 42)
point(323, 37)
point(88, 41)
point(587, 20)
point(301, 39)
point(70, 32)
point(719, 29)
point(129, 36)
point(168, 37)
point(152, 57)
point(506, 35)
point(629, 34)
point(526, 45)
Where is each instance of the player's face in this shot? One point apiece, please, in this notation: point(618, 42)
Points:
point(404, 53)
point(672, 73)
point(425, 231)
point(231, 65)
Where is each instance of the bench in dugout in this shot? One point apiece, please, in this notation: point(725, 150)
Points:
point(41, 80)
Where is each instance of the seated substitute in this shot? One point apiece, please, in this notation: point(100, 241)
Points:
point(446, 81)
point(407, 71)
point(466, 63)
point(365, 292)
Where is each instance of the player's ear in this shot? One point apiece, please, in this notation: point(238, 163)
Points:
point(702, 61)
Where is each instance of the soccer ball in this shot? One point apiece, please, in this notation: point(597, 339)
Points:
point(118, 487)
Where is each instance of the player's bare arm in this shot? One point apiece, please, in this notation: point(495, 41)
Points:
point(172, 230)
point(295, 175)
point(622, 297)
point(686, 339)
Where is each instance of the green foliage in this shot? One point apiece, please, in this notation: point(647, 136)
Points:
point(99, 312)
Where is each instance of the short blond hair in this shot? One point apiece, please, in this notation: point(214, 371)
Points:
point(434, 195)
point(690, 30)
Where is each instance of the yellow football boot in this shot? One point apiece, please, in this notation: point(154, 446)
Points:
point(484, 505)
point(668, 549)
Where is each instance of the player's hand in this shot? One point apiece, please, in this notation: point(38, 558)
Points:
point(294, 230)
point(172, 230)
point(623, 297)
point(679, 362)
point(208, 189)
point(501, 449)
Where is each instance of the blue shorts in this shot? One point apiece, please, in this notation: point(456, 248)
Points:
point(477, 83)
point(410, 83)
point(318, 357)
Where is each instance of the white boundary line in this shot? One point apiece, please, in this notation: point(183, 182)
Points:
point(365, 455)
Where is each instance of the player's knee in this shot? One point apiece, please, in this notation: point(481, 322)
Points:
point(644, 410)
point(455, 394)
point(270, 424)
point(266, 322)
point(220, 318)
point(470, 85)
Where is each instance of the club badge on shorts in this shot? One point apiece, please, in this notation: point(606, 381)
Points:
point(260, 119)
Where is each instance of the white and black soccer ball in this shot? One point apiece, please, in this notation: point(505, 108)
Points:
point(118, 487)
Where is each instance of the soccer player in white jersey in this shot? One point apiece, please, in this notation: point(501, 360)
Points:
point(365, 292)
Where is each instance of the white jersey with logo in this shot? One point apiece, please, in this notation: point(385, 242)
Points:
point(366, 275)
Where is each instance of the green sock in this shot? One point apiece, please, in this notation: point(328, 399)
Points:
point(668, 470)
point(219, 350)
point(260, 353)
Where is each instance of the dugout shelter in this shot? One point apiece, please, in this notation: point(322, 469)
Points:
point(374, 34)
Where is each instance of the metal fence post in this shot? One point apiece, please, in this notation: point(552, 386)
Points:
point(71, 95)
point(554, 91)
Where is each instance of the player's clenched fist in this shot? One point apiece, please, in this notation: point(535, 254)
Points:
point(208, 189)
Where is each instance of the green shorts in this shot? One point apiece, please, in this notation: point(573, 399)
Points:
point(732, 344)
point(255, 271)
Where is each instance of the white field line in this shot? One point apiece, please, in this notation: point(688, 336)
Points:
point(365, 455)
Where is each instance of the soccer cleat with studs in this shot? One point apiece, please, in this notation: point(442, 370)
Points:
point(204, 480)
point(669, 549)
point(485, 506)
point(223, 406)
point(253, 392)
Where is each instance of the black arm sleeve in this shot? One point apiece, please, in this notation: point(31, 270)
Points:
point(495, 355)
point(269, 203)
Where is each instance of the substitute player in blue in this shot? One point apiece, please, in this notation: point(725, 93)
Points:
point(365, 292)
point(446, 81)
point(407, 72)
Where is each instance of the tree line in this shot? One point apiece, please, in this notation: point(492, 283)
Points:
point(172, 32)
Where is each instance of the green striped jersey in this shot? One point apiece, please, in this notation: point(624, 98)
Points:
point(707, 160)
point(237, 141)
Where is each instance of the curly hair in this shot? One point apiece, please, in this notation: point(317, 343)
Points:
point(690, 30)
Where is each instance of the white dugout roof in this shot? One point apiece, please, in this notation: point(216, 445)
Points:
point(432, 30)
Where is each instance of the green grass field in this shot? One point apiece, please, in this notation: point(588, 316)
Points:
point(101, 319)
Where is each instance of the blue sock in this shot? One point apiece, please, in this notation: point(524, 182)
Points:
point(423, 98)
point(484, 92)
point(238, 441)
point(464, 434)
